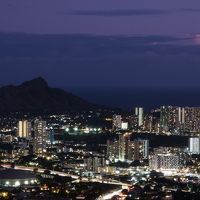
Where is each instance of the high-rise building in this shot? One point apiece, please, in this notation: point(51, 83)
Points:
point(148, 123)
point(181, 115)
point(24, 129)
point(124, 147)
point(92, 163)
point(40, 137)
point(165, 162)
point(121, 149)
point(194, 145)
point(178, 120)
point(192, 119)
point(141, 149)
point(117, 122)
point(112, 150)
point(125, 150)
point(51, 136)
point(168, 117)
point(139, 112)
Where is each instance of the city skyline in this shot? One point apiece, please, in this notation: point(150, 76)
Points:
point(99, 100)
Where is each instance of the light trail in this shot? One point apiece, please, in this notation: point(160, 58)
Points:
point(110, 195)
point(40, 170)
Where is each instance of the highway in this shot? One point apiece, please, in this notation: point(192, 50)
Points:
point(40, 170)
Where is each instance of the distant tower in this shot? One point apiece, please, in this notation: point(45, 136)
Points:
point(181, 115)
point(24, 129)
point(194, 145)
point(139, 112)
point(40, 137)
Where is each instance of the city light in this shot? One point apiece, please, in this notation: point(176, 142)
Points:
point(17, 183)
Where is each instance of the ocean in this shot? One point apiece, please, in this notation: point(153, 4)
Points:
point(128, 98)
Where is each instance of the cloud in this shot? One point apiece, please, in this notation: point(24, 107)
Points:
point(118, 12)
point(191, 9)
point(90, 60)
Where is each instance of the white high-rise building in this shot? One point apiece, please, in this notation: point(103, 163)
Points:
point(24, 129)
point(124, 147)
point(194, 145)
point(40, 137)
point(139, 112)
point(181, 115)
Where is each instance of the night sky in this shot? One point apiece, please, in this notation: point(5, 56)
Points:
point(101, 43)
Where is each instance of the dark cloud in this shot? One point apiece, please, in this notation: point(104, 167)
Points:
point(118, 12)
point(191, 9)
point(87, 60)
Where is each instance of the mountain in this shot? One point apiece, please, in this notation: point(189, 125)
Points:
point(35, 96)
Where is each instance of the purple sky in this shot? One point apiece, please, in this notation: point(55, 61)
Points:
point(58, 16)
point(146, 59)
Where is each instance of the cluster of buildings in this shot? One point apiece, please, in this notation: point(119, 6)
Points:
point(180, 119)
point(168, 158)
point(60, 144)
point(165, 120)
point(37, 136)
point(174, 158)
point(123, 149)
point(31, 138)
point(134, 122)
point(171, 120)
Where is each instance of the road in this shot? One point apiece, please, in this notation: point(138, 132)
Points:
point(40, 170)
